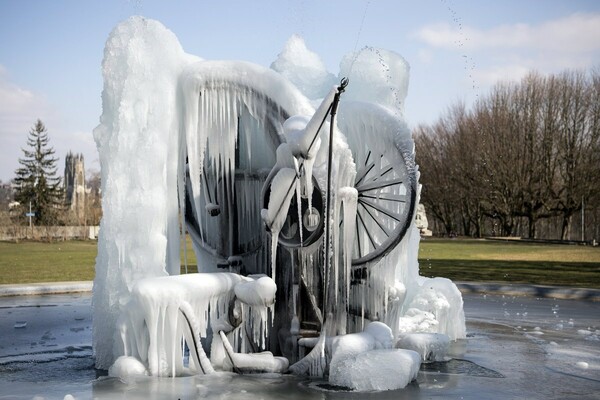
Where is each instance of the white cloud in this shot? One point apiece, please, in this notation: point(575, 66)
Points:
point(508, 52)
point(425, 56)
point(577, 33)
point(489, 76)
point(19, 109)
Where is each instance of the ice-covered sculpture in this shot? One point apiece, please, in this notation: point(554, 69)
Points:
point(302, 221)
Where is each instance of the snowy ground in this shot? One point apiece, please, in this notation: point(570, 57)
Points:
point(517, 347)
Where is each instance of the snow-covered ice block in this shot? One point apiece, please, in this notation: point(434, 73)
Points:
point(377, 370)
point(376, 335)
point(431, 346)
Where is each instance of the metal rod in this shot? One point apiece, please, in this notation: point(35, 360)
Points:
point(334, 106)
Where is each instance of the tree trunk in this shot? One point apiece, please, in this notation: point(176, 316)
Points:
point(532, 228)
point(566, 228)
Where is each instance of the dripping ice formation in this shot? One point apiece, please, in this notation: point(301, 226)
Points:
point(240, 153)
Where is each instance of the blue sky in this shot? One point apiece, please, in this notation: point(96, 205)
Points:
point(51, 51)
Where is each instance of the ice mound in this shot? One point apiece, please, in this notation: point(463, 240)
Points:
point(365, 361)
point(437, 307)
point(126, 367)
point(304, 69)
point(378, 76)
point(431, 346)
point(377, 370)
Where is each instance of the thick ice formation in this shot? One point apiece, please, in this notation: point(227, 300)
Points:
point(137, 146)
point(366, 361)
point(202, 148)
point(163, 311)
point(377, 370)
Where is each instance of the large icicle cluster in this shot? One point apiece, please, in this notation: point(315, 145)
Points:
point(164, 311)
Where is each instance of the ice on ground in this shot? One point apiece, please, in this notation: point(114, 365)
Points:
point(431, 346)
point(582, 365)
point(377, 370)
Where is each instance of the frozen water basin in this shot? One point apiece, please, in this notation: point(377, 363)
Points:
point(517, 347)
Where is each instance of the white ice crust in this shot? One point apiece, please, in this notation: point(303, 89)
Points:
point(430, 346)
point(377, 370)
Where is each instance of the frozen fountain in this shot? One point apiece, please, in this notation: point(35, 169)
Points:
point(299, 195)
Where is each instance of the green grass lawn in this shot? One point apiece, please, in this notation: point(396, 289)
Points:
point(457, 259)
point(485, 260)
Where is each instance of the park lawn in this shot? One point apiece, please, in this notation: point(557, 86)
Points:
point(457, 259)
point(30, 262)
point(512, 262)
point(65, 261)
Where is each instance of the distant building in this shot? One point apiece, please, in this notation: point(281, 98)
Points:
point(75, 185)
point(6, 194)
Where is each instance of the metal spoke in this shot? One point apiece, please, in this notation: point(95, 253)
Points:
point(358, 238)
point(368, 156)
point(399, 198)
point(390, 168)
point(383, 228)
point(365, 229)
point(379, 185)
point(364, 173)
point(380, 209)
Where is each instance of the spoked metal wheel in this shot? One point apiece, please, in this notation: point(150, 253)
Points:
point(233, 125)
point(385, 179)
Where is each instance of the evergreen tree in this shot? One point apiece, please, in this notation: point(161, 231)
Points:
point(36, 179)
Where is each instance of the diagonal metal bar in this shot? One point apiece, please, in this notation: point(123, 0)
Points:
point(358, 239)
point(366, 230)
point(364, 173)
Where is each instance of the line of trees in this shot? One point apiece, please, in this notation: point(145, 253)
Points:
point(524, 158)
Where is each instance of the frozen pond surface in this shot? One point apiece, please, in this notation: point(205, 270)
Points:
point(517, 347)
